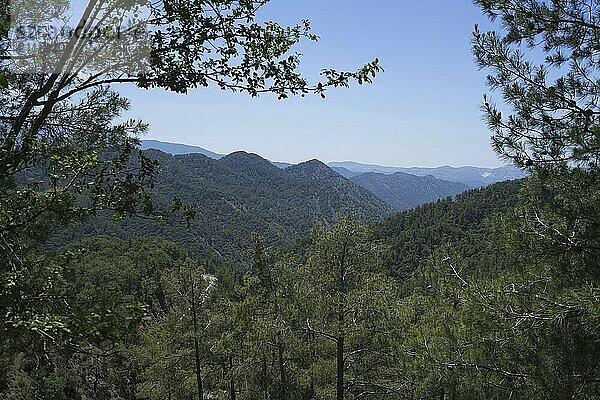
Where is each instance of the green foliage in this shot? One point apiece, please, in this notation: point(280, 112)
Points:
point(411, 236)
point(348, 311)
point(169, 355)
point(98, 294)
point(221, 43)
point(65, 152)
point(495, 293)
point(54, 173)
point(545, 65)
point(485, 322)
point(518, 317)
point(282, 331)
point(525, 325)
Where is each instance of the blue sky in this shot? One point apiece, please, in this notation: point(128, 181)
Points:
point(423, 111)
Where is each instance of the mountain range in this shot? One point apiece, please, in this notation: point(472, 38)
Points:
point(242, 193)
point(237, 195)
point(472, 177)
point(401, 188)
point(178, 148)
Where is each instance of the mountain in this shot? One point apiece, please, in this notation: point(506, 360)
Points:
point(334, 192)
point(177, 148)
point(473, 177)
point(400, 192)
point(315, 170)
point(237, 195)
point(404, 191)
point(360, 168)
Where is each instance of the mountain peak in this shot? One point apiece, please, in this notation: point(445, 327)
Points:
point(243, 156)
point(242, 160)
point(312, 169)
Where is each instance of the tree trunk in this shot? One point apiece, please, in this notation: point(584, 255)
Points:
point(340, 318)
point(197, 346)
point(264, 377)
point(160, 296)
point(231, 381)
point(282, 376)
point(314, 357)
point(340, 368)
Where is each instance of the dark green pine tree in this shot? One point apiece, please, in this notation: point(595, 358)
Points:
point(347, 308)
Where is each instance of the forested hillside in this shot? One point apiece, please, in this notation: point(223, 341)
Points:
point(236, 196)
point(274, 327)
point(400, 190)
point(140, 275)
point(404, 191)
point(462, 222)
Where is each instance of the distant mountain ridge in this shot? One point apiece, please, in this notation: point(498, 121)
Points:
point(178, 149)
point(242, 193)
point(404, 191)
point(473, 177)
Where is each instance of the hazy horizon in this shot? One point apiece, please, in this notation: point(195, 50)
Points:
point(324, 161)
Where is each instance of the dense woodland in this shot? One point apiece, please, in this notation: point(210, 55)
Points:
point(421, 305)
point(492, 294)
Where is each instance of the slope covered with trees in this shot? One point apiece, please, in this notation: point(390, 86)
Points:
point(235, 196)
point(462, 222)
point(525, 324)
point(400, 190)
point(404, 191)
point(291, 325)
point(322, 320)
point(61, 114)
